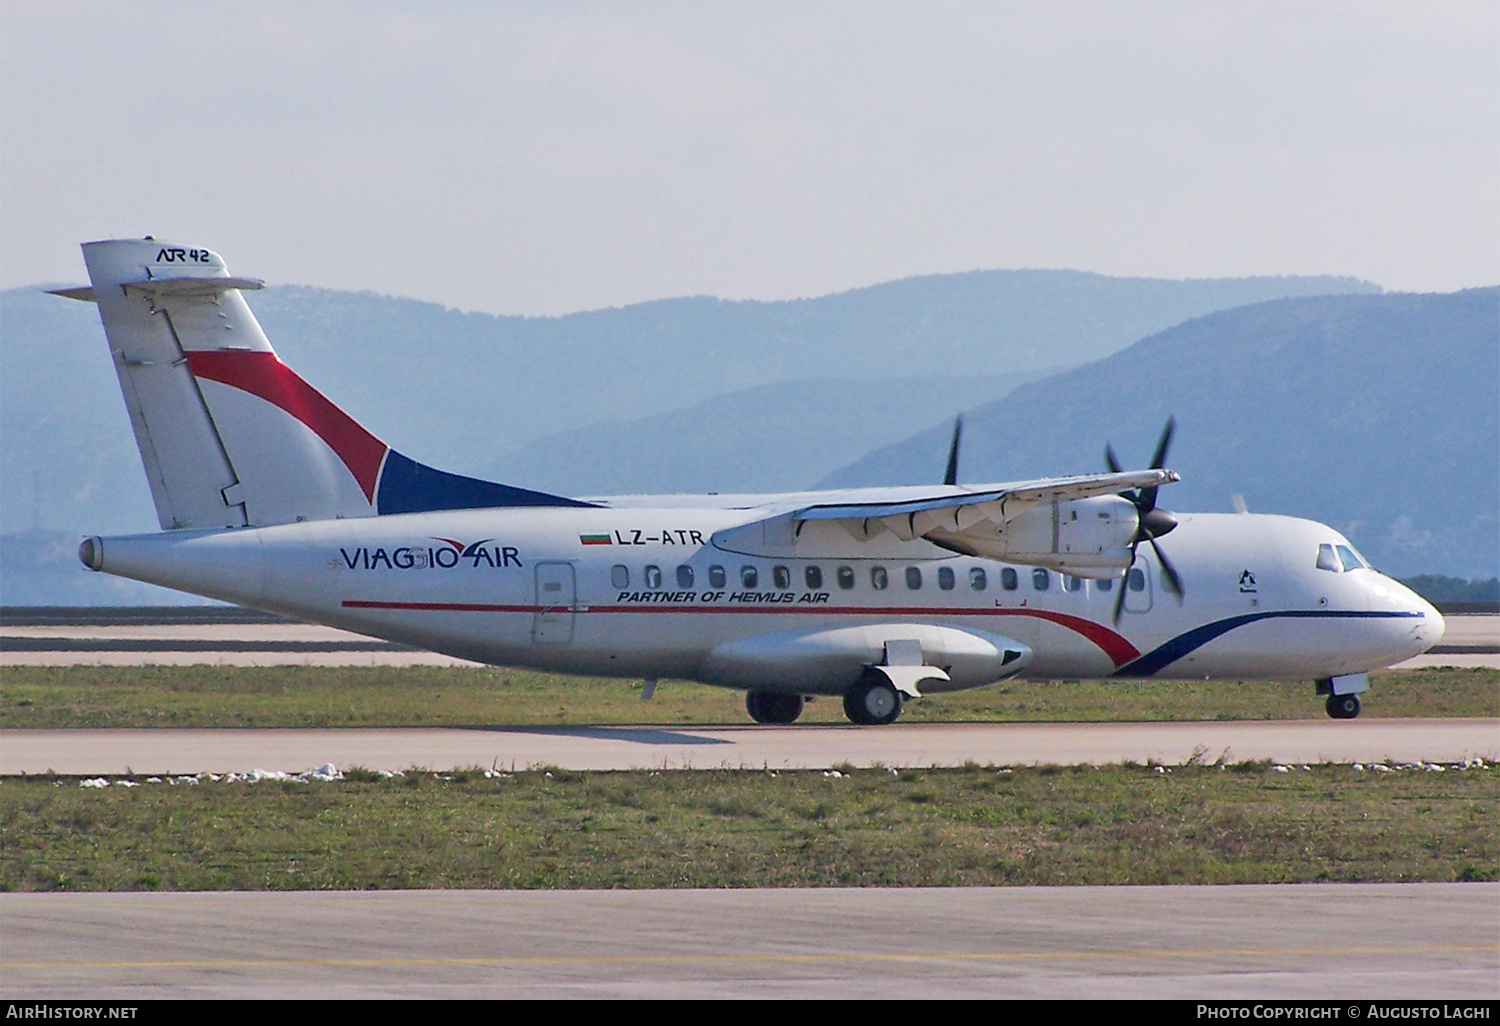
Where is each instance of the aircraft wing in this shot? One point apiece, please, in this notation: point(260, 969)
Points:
point(952, 512)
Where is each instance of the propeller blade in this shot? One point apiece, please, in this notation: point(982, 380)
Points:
point(1151, 523)
point(1169, 572)
point(1159, 459)
point(951, 476)
point(1145, 502)
point(1110, 461)
point(1124, 583)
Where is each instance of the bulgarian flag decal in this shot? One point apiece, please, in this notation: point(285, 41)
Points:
point(594, 539)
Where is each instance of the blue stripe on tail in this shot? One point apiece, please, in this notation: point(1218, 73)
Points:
point(407, 486)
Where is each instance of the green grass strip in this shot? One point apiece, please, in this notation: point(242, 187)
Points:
point(971, 826)
point(425, 696)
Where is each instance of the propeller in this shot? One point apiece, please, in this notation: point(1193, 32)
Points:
point(951, 476)
point(1152, 523)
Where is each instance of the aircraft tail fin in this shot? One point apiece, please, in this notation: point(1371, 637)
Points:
point(229, 435)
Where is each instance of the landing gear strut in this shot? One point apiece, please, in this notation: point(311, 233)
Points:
point(773, 706)
point(874, 701)
point(1343, 707)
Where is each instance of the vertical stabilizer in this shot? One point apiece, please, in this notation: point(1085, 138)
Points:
point(230, 436)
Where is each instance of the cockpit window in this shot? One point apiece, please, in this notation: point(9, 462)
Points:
point(1327, 560)
point(1352, 560)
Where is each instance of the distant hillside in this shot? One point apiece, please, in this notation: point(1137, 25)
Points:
point(776, 437)
point(459, 388)
point(1379, 415)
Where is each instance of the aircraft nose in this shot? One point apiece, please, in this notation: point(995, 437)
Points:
point(1433, 625)
point(1428, 622)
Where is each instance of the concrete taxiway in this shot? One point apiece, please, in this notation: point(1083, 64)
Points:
point(1354, 942)
point(165, 751)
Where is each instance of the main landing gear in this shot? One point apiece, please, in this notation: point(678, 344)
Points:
point(873, 702)
point(1343, 707)
point(773, 706)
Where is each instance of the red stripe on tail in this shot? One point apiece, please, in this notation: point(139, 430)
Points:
point(263, 375)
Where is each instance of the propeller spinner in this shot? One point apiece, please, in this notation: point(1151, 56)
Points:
point(1152, 522)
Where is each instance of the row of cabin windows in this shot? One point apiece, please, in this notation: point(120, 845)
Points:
point(880, 580)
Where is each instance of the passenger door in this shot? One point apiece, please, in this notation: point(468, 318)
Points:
point(1137, 585)
point(556, 598)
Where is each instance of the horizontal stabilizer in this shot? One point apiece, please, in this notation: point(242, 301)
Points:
point(191, 286)
point(82, 293)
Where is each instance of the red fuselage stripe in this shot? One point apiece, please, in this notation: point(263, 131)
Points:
point(263, 375)
point(1118, 648)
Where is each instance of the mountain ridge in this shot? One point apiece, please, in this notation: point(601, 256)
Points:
point(1382, 412)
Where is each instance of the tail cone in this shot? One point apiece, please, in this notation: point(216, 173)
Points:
point(91, 553)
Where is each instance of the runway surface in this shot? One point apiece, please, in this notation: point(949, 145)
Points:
point(164, 751)
point(1354, 942)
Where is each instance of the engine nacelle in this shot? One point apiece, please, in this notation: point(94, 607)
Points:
point(1084, 537)
point(827, 662)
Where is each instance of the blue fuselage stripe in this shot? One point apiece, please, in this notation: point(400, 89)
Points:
point(1166, 654)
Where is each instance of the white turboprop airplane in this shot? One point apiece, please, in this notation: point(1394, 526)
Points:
point(272, 497)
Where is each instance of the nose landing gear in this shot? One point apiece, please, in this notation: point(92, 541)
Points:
point(1343, 707)
point(1343, 694)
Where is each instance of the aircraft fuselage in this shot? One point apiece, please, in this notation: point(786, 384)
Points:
point(649, 591)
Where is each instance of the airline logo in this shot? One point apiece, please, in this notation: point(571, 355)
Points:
point(451, 553)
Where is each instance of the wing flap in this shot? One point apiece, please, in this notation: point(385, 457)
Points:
point(958, 510)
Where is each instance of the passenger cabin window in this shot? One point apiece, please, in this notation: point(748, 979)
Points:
point(781, 577)
point(846, 577)
point(1041, 580)
point(749, 576)
point(1327, 559)
point(619, 576)
point(913, 578)
point(978, 579)
point(813, 575)
point(684, 576)
point(653, 577)
point(945, 578)
point(1071, 583)
point(1105, 585)
point(1008, 579)
point(879, 580)
point(717, 577)
point(1137, 579)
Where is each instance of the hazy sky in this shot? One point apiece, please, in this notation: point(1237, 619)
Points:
point(547, 157)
